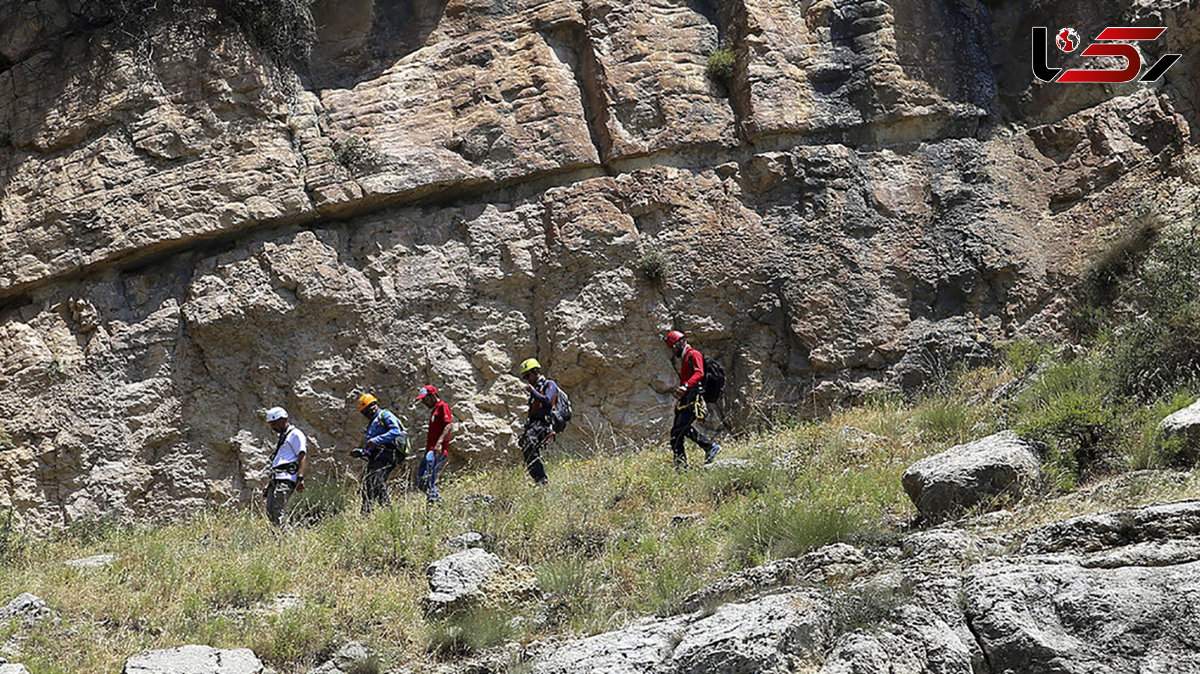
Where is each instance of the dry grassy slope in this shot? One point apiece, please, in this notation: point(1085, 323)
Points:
point(601, 539)
point(858, 204)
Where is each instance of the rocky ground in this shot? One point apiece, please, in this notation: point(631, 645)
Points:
point(192, 233)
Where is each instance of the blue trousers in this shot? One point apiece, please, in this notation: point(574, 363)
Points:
point(427, 474)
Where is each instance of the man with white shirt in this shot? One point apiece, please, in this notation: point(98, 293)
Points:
point(288, 463)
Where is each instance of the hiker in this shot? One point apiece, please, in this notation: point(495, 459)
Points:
point(437, 442)
point(689, 406)
point(539, 427)
point(385, 446)
point(288, 464)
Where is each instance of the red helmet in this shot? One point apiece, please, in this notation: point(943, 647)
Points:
point(673, 338)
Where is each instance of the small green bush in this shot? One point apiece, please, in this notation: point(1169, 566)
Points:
point(944, 418)
point(1077, 430)
point(285, 29)
point(722, 64)
point(242, 584)
point(356, 154)
point(320, 499)
point(468, 632)
point(655, 265)
point(779, 530)
point(1024, 355)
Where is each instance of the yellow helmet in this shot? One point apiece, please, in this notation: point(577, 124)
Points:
point(530, 364)
point(365, 400)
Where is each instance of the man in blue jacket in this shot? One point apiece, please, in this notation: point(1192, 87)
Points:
point(385, 446)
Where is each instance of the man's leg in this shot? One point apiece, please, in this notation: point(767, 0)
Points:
point(531, 449)
point(423, 474)
point(684, 416)
point(438, 461)
point(277, 498)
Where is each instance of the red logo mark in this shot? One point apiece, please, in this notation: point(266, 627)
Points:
point(1068, 40)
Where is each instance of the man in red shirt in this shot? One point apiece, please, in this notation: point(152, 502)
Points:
point(690, 405)
point(437, 442)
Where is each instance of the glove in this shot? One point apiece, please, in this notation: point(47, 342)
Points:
point(429, 457)
point(358, 453)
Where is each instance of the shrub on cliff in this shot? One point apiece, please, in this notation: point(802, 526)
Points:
point(283, 29)
point(655, 265)
point(722, 64)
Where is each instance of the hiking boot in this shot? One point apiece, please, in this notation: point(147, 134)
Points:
point(711, 453)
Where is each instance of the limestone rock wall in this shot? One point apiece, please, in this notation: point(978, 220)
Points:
point(192, 234)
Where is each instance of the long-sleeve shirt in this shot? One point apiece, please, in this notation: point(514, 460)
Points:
point(691, 371)
point(542, 401)
point(385, 431)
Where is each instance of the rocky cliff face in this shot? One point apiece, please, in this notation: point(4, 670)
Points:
point(192, 234)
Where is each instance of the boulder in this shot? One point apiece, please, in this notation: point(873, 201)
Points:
point(464, 541)
point(1184, 420)
point(1061, 617)
point(778, 633)
point(915, 640)
point(345, 660)
point(978, 473)
point(639, 648)
point(474, 576)
point(194, 660)
point(30, 608)
point(13, 668)
point(1185, 423)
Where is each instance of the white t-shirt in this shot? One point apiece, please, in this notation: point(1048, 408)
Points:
point(293, 446)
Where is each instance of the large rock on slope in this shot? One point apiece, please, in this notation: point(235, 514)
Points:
point(976, 473)
point(194, 660)
point(472, 577)
point(1060, 617)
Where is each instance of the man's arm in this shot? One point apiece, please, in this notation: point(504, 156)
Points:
point(303, 470)
point(392, 433)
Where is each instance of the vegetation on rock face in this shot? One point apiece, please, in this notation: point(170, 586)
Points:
point(655, 265)
point(356, 154)
point(722, 64)
point(283, 29)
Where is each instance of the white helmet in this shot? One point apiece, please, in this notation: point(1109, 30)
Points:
point(276, 413)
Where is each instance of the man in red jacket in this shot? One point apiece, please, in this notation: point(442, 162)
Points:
point(437, 442)
point(690, 405)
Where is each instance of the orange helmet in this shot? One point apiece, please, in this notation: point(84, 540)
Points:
point(365, 401)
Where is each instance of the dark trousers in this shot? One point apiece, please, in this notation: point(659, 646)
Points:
point(374, 486)
point(685, 416)
point(537, 434)
point(278, 494)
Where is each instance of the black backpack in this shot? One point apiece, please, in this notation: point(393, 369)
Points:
point(561, 413)
point(714, 380)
